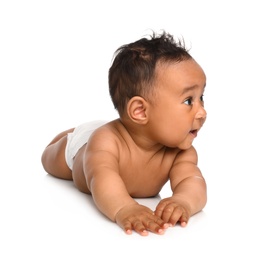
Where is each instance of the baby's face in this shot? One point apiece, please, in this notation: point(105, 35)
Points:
point(178, 113)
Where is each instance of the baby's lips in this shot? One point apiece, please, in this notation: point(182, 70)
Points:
point(194, 132)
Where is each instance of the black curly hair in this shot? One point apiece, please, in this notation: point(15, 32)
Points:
point(133, 69)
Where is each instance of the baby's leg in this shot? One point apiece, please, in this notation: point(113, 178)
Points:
point(53, 157)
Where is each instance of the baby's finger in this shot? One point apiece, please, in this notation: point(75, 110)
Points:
point(167, 214)
point(184, 219)
point(153, 224)
point(140, 228)
point(155, 227)
point(157, 224)
point(178, 215)
point(127, 227)
point(160, 209)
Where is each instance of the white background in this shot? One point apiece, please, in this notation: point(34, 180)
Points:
point(54, 60)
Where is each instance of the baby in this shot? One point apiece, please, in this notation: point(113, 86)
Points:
point(157, 88)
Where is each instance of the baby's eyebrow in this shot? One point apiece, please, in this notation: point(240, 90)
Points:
point(188, 89)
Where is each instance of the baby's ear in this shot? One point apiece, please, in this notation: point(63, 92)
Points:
point(137, 110)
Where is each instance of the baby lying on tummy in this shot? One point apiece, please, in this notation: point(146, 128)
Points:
point(157, 89)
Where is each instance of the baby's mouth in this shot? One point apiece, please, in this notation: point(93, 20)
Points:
point(194, 132)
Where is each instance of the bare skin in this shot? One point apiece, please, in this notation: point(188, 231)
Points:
point(135, 155)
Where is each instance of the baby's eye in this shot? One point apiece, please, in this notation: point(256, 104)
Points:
point(188, 101)
point(202, 98)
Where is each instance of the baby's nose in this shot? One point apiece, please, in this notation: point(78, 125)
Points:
point(201, 114)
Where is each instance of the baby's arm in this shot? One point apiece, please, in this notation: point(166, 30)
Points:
point(109, 192)
point(189, 190)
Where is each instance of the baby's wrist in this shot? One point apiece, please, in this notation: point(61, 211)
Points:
point(120, 210)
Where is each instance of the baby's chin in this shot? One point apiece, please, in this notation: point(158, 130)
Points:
point(184, 146)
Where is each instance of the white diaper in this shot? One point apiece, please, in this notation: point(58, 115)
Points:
point(78, 138)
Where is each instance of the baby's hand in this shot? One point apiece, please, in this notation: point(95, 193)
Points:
point(172, 211)
point(141, 219)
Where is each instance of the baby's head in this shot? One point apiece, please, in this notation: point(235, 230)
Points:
point(133, 70)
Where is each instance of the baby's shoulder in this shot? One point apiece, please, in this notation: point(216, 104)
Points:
point(111, 129)
point(106, 136)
